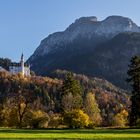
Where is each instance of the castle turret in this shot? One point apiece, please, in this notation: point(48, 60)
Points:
point(20, 67)
point(22, 64)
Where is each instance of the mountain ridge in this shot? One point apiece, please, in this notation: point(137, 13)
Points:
point(70, 49)
point(86, 28)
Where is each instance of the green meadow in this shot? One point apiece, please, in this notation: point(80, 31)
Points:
point(81, 134)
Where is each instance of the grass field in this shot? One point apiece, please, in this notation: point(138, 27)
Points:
point(82, 134)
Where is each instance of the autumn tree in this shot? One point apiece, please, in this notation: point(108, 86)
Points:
point(134, 80)
point(121, 119)
point(76, 119)
point(70, 102)
point(14, 111)
point(92, 109)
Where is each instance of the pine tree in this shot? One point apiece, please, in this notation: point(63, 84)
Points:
point(134, 80)
point(71, 90)
point(71, 85)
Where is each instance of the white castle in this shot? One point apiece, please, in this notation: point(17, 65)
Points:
point(20, 67)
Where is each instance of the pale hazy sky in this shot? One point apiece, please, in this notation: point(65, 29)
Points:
point(24, 23)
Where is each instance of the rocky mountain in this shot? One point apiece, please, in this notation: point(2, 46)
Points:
point(111, 59)
point(91, 47)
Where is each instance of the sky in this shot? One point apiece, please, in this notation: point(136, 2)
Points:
point(24, 23)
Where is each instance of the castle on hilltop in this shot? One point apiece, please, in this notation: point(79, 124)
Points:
point(20, 67)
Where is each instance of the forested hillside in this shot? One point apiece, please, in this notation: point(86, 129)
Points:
point(44, 102)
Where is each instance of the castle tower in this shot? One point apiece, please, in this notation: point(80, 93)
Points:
point(22, 64)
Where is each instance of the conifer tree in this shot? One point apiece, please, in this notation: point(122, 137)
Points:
point(71, 89)
point(134, 80)
point(71, 85)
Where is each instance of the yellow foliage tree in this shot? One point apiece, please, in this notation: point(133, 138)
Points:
point(76, 119)
point(39, 119)
point(92, 109)
point(121, 119)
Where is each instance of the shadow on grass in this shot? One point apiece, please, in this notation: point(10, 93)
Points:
point(74, 131)
point(76, 139)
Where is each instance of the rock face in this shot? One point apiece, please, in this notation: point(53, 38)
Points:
point(92, 47)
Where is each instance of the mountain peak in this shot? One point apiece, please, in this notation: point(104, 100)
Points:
point(120, 20)
point(116, 17)
point(86, 19)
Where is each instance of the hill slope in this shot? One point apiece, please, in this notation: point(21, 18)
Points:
point(45, 93)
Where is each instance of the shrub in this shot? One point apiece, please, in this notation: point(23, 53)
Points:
point(39, 119)
point(76, 119)
point(121, 119)
point(55, 120)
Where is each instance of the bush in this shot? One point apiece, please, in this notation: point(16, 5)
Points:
point(138, 122)
point(76, 119)
point(91, 125)
point(39, 119)
point(121, 119)
point(55, 120)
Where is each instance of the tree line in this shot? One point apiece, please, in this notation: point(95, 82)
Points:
point(72, 102)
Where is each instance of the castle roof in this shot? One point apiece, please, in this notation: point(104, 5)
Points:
point(14, 64)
